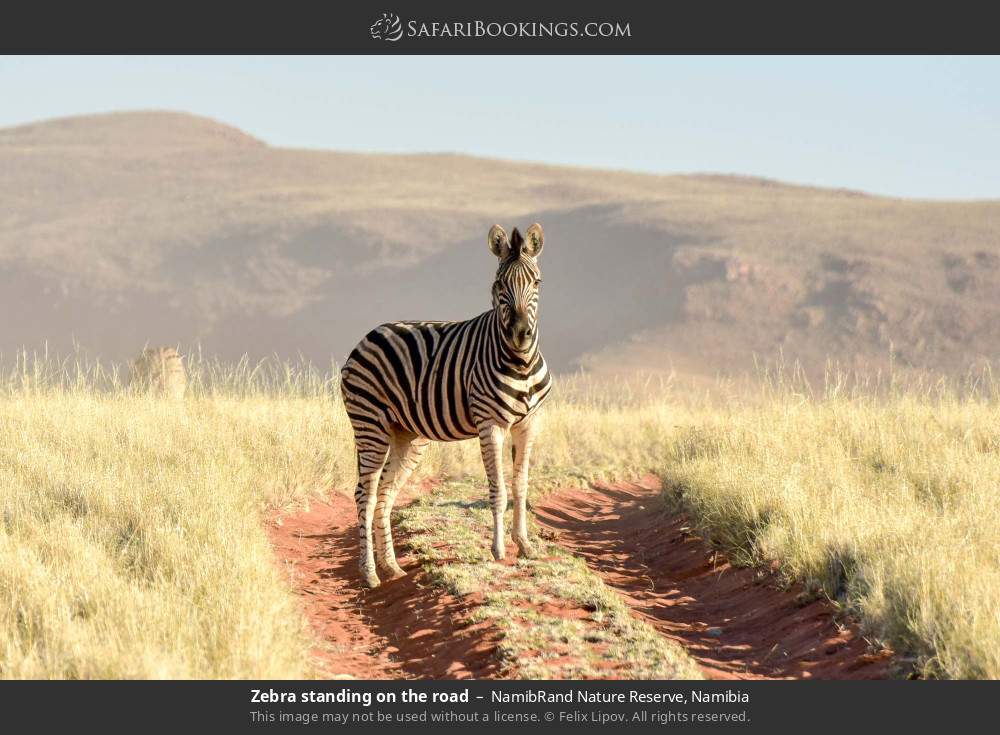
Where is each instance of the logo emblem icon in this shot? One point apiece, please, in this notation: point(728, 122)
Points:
point(387, 28)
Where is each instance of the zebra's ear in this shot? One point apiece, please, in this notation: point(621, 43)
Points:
point(534, 240)
point(498, 242)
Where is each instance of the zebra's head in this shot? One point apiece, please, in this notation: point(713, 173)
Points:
point(515, 288)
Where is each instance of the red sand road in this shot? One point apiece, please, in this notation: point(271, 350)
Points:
point(736, 623)
point(404, 629)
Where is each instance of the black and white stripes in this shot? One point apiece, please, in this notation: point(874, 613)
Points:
point(407, 383)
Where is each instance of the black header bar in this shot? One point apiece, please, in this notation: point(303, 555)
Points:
point(513, 26)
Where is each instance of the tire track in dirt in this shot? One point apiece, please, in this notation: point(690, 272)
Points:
point(403, 629)
point(737, 623)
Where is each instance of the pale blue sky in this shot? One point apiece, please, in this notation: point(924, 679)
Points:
point(924, 127)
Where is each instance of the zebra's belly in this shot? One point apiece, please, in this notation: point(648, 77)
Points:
point(435, 430)
point(448, 438)
point(437, 414)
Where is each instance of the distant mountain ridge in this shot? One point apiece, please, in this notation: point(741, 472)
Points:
point(124, 229)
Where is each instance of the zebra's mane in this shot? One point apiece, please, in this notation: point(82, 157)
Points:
point(516, 241)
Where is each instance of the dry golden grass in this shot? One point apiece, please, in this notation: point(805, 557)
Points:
point(889, 505)
point(132, 542)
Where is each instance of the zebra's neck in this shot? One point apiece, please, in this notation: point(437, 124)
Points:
point(519, 362)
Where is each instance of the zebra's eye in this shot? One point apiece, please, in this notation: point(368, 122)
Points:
point(538, 282)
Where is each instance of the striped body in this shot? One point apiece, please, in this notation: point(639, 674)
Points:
point(408, 383)
point(159, 370)
point(441, 380)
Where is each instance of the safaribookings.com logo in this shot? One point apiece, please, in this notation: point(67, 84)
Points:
point(387, 28)
point(390, 28)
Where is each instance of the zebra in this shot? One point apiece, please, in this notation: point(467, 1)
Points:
point(409, 383)
point(160, 371)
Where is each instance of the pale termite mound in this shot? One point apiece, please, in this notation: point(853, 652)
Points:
point(158, 370)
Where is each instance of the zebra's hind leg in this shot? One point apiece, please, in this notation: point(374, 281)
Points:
point(371, 459)
point(522, 438)
point(405, 454)
point(491, 439)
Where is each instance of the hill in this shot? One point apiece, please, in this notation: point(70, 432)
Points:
point(127, 228)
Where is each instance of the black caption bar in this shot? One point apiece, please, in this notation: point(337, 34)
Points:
point(392, 706)
point(514, 26)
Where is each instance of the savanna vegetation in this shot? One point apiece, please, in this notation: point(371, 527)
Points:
point(132, 541)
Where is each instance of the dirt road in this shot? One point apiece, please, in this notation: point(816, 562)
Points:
point(737, 623)
point(406, 629)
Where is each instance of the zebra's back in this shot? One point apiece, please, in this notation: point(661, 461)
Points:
point(415, 376)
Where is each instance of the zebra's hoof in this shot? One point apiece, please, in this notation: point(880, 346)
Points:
point(498, 552)
point(525, 550)
point(395, 571)
point(371, 580)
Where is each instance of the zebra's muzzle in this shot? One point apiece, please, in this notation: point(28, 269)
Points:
point(522, 335)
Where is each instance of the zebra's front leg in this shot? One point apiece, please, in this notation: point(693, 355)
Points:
point(491, 443)
point(523, 436)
